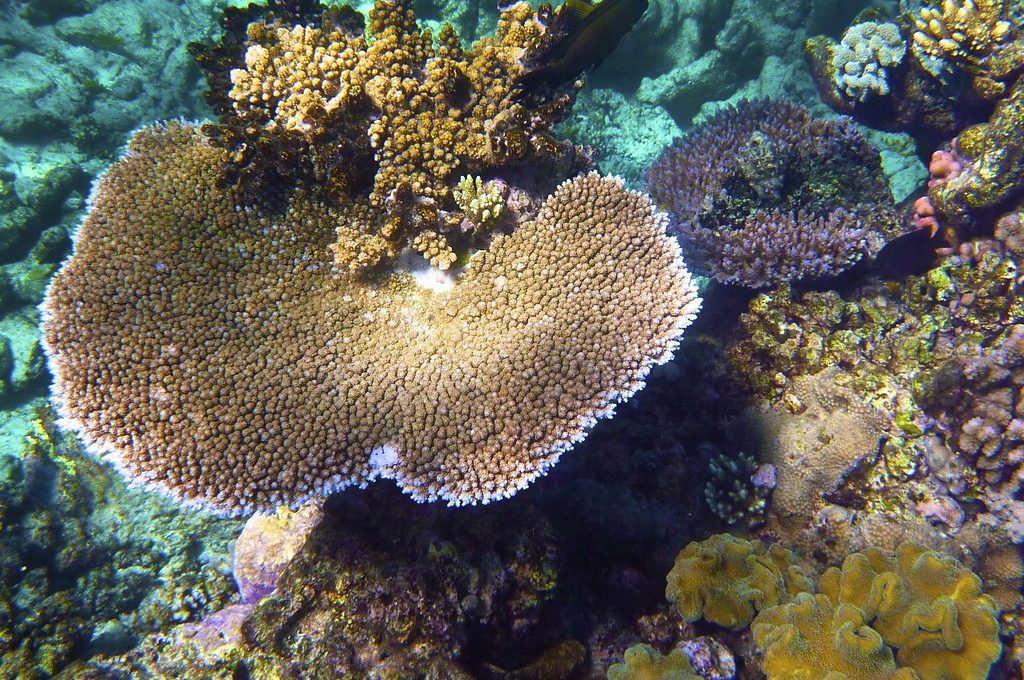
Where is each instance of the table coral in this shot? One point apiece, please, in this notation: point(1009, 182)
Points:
point(727, 580)
point(927, 606)
point(643, 662)
point(764, 193)
point(393, 115)
point(811, 637)
point(211, 350)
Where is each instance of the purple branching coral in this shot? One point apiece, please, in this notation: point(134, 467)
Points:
point(764, 193)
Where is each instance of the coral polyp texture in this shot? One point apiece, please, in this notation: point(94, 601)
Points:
point(391, 115)
point(211, 348)
point(726, 580)
point(764, 193)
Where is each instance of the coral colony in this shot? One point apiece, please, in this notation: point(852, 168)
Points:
point(443, 244)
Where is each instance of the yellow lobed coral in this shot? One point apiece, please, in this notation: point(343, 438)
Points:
point(211, 348)
point(926, 605)
point(967, 32)
point(726, 580)
point(811, 639)
point(643, 662)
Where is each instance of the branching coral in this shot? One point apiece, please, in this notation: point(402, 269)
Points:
point(482, 202)
point(643, 662)
point(811, 637)
point(927, 606)
point(392, 117)
point(765, 193)
point(966, 32)
point(211, 348)
point(862, 59)
point(727, 580)
point(736, 491)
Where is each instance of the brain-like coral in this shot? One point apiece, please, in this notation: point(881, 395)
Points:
point(643, 662)
point(810, 637)
point(862, 59)
point(211, 348)
point(765, 193)
point(727, 580)
point(927, 606)
point(392, 116)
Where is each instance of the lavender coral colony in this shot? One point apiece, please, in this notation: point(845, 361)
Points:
point(237, 327)
point(765, 193)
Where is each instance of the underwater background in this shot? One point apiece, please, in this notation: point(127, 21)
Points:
point(825, 475)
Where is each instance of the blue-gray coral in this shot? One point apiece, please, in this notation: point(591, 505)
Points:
point(764, 193)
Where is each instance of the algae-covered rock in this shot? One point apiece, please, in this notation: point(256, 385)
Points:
point(87, 566)
point(267, 545)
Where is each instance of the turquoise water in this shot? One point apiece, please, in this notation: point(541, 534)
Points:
point(290, 288)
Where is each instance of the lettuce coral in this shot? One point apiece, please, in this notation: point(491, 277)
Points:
point(727, 580)
point(643, 662)
point(926, 605)
point(212, 349)
point(811, 638)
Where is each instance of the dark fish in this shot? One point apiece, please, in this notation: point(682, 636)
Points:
point(593, 33)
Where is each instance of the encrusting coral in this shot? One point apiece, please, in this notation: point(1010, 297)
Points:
point(391, 117)
point(643, 662)
point(765, 193)
point(727, 580)
point(211, 348)
point(980, 399)
point(989, 160)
